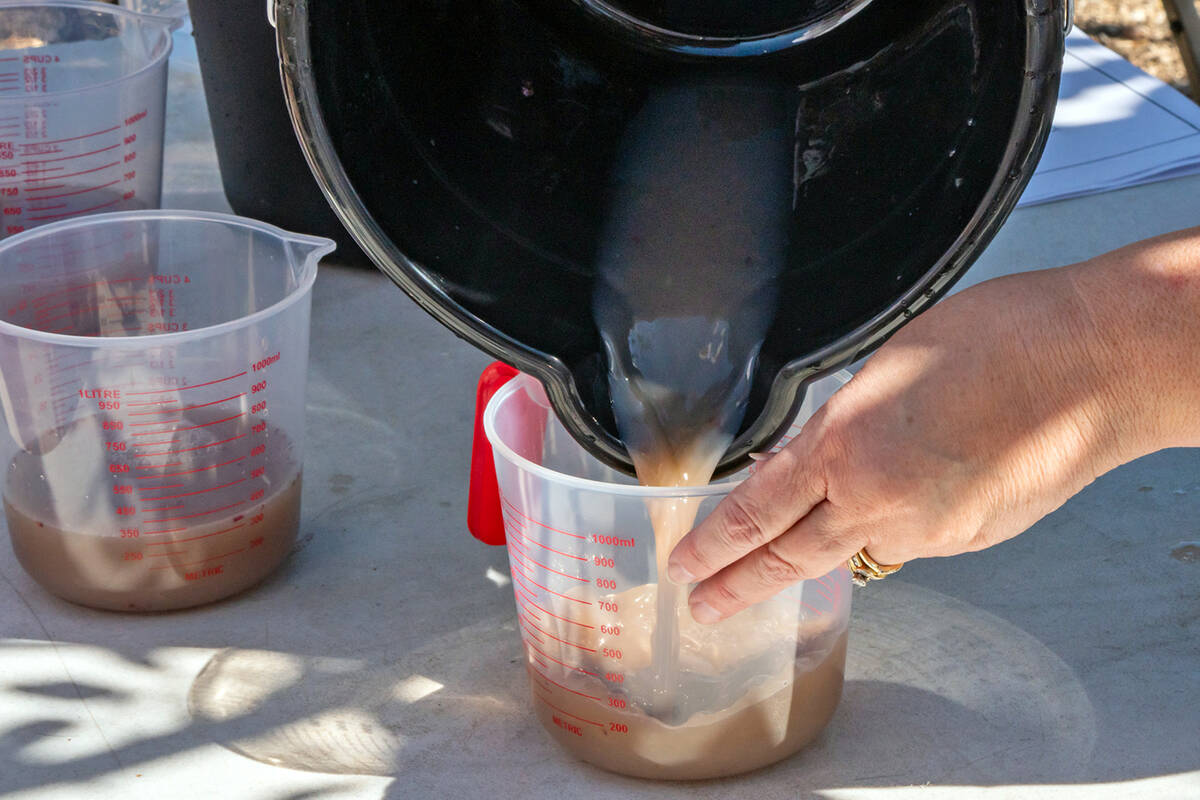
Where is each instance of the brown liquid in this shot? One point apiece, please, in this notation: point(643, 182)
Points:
point(693, 240)
point(767, 724)
point(220, 530)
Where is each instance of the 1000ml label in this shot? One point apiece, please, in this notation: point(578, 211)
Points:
point(612, 541)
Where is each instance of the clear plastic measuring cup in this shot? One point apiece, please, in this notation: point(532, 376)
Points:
point(82, 95)
point(152, 372)
point(619, 678)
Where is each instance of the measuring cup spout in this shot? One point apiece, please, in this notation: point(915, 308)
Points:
point(308, 250)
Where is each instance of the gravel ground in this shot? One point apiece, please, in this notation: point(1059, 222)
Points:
point(1137, 29)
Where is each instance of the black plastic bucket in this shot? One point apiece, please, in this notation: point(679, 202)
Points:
point(263, 171)
point(468, 147)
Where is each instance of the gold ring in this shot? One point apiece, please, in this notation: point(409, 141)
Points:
point(863, 568)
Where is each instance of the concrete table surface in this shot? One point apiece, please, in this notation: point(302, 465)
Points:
point(382, 660)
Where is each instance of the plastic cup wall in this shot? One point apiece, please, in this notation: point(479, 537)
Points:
point(128, 308)
point(560, 502)
point(82, 111)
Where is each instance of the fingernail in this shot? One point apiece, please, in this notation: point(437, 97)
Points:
point(679, 574)
point(705, 614)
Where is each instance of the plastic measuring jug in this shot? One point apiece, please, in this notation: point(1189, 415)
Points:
point(620, 673)
point(82, 94)
point(152, 372)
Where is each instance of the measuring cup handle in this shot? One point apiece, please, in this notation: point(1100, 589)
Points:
point(485, 520)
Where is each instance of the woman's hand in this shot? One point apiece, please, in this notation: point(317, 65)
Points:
point(971, 423)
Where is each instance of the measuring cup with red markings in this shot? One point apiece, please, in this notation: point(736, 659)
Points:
point(82, 94)
point(152, 372)
point(619, 678)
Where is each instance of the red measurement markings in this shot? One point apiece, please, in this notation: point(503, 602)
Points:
point(39, 301)
point(524, 589)
point(199, 513)
point(160, 555)
point(151, 403)
point(526, 609)
point(203, 560)
point(74, 213)
point(164, 508)
point(124, 306)
point(84, 136)
point(557, 594)
point(518, 572)
point(563, 663)
point(47, 208)
point(822, 590)
point(190, 408)
point(565, 619)
point(524, 554)
point(527, 518)
point(518, 529)
point(190, 449)
point(159, 466)
point(110, 165)
point(190, 427)
point(526, 629)
point(197, 538)
point(44, 320)
point(539, 662)
point(572, 691)
point(186, 472)
point(198, 491)
point(70, 158)
point(164, 486)
point(56, 370)
point(183, 388)
point(520, 568)
point(168, 530)
point(156, 422)
point(599, 725)
point(66, 194)
point(563, 641)
point(64, 384)
point(154, 444)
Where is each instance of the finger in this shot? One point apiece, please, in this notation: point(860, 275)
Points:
point(813, 547)
point(781, 491)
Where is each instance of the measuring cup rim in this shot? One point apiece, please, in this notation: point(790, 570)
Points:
point(521, 383)
point(308, 275)
point(168, 27)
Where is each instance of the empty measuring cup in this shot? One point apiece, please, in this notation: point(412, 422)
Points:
point(82, 94)
point(152, 371)
point(621, 674)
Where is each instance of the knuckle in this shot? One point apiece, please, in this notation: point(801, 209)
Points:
point(726, 597)
point(690, 552)
point(775, 569)
point(742, 528)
